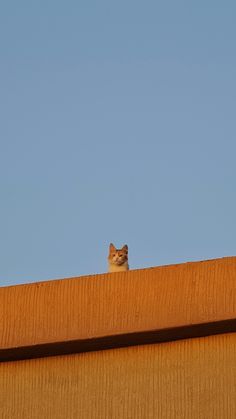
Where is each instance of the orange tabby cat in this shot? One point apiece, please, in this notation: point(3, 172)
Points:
point(118, 259)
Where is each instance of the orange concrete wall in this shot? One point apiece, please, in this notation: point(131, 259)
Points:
point(152, 304)
point(63, 321)
point(186, 379)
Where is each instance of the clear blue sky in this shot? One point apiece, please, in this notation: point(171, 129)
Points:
point(117, 124)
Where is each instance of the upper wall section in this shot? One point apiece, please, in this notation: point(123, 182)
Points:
point(118, 309)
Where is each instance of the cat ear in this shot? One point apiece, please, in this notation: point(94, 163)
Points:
point(112, 247)
point(125, 247)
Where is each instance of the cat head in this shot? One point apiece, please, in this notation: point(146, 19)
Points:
point(118, 256)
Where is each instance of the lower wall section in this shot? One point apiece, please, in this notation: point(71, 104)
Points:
point(186, 379)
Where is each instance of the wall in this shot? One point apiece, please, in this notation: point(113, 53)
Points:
point(151, 343)
point(186, 379)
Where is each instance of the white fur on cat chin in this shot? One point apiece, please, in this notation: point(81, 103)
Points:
point(118, 268)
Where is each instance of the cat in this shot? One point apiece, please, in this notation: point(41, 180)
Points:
point(118, 259)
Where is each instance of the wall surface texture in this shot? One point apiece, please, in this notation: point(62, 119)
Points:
point(151, 343)
point(100, 311)
point(186, 379)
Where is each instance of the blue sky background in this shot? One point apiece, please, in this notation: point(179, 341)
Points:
point(117, 124)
